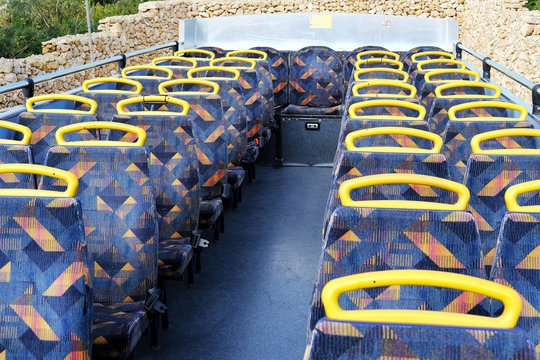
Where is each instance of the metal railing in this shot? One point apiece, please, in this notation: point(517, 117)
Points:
point(488, 64)
point(28, 85)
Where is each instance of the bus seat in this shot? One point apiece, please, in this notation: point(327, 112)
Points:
point(217, 51)
point(16, 152)
point(490, 173)
point(179, 65)
point(352, 57)
point(201, 56)
point(46, 302)
point(421, 68)
point(61, 110)
point(364, 236)
point(173, 167)
point(420, 334)
point(279, 70)
point(375, 74)
point(475, 118)
point(315, 82)
point(149, 76)
point(407, 60)
point(516, 260)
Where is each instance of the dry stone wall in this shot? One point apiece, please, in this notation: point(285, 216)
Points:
point(514, 42)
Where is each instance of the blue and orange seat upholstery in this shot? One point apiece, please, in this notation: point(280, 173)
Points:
point(279, 70)
point(420, 334)
point(202, 57)
point(46, 302)
point(316, 82)
point(121, 225)
point(16, 152)
point(179, 65)
point(173, 172)
point(61, 110)
point(352, 58)
point(433, 79)
point(491, 172)
point(426, 66)
point(468, 119)
point(516, 258)
point(150, 76)
point(365, 236)
point(375, 74)
point(432, 53)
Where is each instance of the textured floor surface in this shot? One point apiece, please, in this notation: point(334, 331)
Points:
point(251, 300)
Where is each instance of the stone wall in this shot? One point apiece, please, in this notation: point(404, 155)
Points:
point(514, 43)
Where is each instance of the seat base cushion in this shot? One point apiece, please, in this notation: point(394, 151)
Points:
point(117, 329)
point(235, 176)
point(209, 213)
point(174, 257)
point(265, 137)
point(252, 154)
point(308, 110)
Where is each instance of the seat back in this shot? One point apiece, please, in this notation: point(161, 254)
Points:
point(201, 56)
point(234, 115)
point(46, 303)
point(352, 58)
point(279, 70)
point(217, 51)
point(206, 114)
point(407, 60)
point(179, 65)
point(119, 213)
point(43, 121)
point(366, 238)
point(16, 152)
point(173, 160)
point(316, 77)
point(432, 79)
point(149, 76)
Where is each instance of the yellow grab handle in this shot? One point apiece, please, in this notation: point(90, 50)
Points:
point(428, 53)
point(364, 181)
point(421, 64)
point(394, 83)
point(193, 62)
point(27, 133)
point(252, 63)
point(477, 139)
point(511, 194)
point(138, 86)
point(509, 297)
point(210, 54)
point(31, 101)
point(487, 104)
point(141, 134)
point(152, 98)
point(357, 73)
point(463, 83)
point(264, 56)
point(235, 72)
point(353, 136)
point(169, 72)
point(397, 103)
point(428, 75)
point(213, 85)
point(359, 56)
point(69, 178)
point(358, 64)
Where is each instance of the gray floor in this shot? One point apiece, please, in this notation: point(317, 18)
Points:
point(251, 299)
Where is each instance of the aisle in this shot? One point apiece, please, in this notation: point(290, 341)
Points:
point(251, 300)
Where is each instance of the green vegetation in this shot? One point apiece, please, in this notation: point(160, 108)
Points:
point(533, 5)
point(25, 24)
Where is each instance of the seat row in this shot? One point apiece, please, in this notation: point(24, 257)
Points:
point(394, 221)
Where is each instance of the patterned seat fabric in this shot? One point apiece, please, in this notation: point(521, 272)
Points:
point(210, 212)
point(44, 125)
point(426, 93)
point(106, 103)
point(516, 265)
point(350, 61)
point(406, 59)
point(488, 177)
point(206, 114)
point(438, 111)
point(174, 257)
point(279, 71)
point(457, 142)
point(236, 176)
point(120, 220)
point(354, 164)
point(46, 302)
point(219, 52)
point(381, 110)
point(316, 77)
point(16, 154)
point(173, 171)
point(361, 240)
point(379, 89)
point(333, 339)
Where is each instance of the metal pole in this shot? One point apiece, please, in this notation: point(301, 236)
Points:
point(89, 24)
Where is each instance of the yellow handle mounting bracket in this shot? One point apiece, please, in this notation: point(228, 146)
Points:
point(69, 178)
point(120, 107)
point(137, 85)
point(413, 179)
point(164, 85)
point(51, 97)
point(391, 83)
point(60, 140)
point(509, 297)
point(392, 103)
point(27, 133)
point(353, 136)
